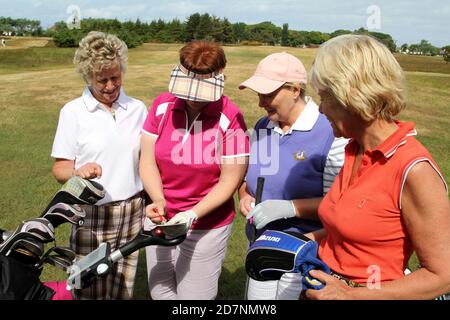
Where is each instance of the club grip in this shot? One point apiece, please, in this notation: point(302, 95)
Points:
point(259, 190)
point(258, 198)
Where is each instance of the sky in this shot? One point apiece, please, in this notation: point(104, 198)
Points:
point(406, 21)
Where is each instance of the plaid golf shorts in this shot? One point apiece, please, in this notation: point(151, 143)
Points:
point(116, 223)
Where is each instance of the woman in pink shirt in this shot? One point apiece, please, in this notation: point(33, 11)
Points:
point(194, 157)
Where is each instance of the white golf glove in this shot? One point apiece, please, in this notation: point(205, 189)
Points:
point(271, 210)
point(186, 217)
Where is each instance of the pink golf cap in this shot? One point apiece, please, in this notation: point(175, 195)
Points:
point(275, 70)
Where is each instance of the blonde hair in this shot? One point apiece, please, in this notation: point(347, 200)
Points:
point(97, 51)
point(362, 74)
point(299, 86)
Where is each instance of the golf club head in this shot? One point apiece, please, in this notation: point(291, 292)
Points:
point(39, 229)
point(64, 252)
point(77, 191)
point(27, 251)
point(62, 212)
point(59, 261)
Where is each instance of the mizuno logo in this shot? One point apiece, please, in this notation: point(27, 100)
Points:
point(269, 238)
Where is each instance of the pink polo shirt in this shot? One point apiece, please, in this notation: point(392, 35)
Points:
point(189, 158)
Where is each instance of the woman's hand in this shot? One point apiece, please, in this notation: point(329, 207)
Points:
point(156, 211)
point(334, 289)
point(89, 171)
point(271, 210)
point(246, 204)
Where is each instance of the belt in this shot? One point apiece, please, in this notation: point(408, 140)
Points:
point(347, 281)
point(138, 195)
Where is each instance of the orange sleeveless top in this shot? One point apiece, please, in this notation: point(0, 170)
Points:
point(363, 220)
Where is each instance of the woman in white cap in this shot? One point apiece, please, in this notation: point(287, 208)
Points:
point(194, 157)
point(304, 160)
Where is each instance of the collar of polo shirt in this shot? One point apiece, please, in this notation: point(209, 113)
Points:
point(305, 121)
point(212, 109)
point(92, 103)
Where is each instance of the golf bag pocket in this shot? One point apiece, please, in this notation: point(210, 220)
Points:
point(275, 253)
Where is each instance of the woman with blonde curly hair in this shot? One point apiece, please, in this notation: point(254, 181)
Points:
point(390, 198)
point(98, 137)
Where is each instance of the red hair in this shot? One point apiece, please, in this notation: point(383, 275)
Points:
point(201, 56)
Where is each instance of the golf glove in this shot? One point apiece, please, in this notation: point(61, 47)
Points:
point(271, 210)
point(186, 217)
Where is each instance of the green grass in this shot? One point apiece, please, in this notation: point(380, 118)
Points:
point(423, 64)
point(36, 82)
point(34, 59)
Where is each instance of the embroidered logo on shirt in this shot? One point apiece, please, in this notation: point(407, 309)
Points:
point(300, 155)
point(362, 203)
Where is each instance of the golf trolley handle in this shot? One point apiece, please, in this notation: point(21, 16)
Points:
point(153, 237)
point(99, 262)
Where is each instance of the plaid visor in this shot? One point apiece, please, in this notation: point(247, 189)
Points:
point(192, 86)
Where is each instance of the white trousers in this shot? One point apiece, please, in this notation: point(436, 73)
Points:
point(191, 270)
point(287, 288)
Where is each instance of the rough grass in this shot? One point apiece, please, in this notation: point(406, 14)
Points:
point(423, 64)
point(36, 82)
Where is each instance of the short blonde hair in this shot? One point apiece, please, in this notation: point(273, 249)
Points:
point(97, 51)
point(299, 86)
point(362, 74)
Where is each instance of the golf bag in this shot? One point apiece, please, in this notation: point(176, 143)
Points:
point(20, 281)
point(22, 251)
point(22, 254)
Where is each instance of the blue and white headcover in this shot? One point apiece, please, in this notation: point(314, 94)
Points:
point(276, 252)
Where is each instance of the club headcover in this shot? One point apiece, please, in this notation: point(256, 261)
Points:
point(62, 212)
point(275, 253)
point(77, 190)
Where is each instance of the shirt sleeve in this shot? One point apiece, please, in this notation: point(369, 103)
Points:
point(334, 162)
point(65, 142)
point(236, 141)
point(154, 117)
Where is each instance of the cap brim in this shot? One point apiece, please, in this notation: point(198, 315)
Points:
point(261, 85)
point(188, 88)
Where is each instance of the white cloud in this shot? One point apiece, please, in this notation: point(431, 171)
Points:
point(114, 11)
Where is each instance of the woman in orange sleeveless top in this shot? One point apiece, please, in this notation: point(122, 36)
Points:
point(390, 198)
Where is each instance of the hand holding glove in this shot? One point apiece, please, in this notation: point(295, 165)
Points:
point(271, 210)
point(186, 217)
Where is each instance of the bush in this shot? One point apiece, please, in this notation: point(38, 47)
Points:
point(132, 39)
point(66, 38)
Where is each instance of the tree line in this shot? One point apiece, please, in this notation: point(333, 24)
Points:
point(422, 48)
point(202, 26)
point(20, 27)
point(196, 26)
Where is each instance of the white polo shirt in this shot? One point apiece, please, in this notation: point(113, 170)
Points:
point(88, 132)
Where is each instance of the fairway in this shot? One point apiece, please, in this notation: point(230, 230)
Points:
point(36, 80)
